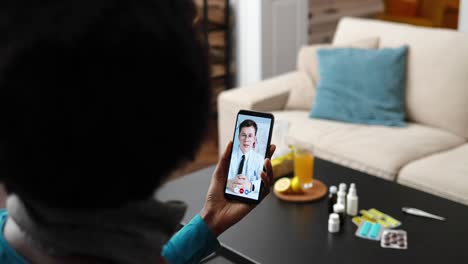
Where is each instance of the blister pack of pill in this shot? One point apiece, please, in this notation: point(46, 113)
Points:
point(369, 230)
point(392, 238)
point(375, 216)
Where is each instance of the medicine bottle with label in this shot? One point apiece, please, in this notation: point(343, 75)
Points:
point(352, 202)
point(333, 223)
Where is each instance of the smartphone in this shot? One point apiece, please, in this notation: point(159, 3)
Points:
point(251, 145)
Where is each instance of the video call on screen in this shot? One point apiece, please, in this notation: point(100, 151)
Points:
point(248, 155)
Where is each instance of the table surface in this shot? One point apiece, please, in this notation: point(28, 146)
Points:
point(283, 232)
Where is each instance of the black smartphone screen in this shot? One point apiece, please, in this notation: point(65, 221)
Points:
point(251, 143)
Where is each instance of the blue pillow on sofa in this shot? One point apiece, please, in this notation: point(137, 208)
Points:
point(364, 86)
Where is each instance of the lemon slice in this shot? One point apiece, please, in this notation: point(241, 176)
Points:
point(282, 185)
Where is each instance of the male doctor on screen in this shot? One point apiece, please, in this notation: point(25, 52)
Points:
point(246, 163)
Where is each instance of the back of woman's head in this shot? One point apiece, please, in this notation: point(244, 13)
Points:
point(100, 100)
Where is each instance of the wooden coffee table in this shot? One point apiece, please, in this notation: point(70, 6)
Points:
point(283, 232)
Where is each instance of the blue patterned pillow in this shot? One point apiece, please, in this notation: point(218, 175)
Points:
point(364, 86)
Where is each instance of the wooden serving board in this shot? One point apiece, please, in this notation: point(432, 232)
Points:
point(318, 190)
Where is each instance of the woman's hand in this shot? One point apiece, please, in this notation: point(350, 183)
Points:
point(220, 213)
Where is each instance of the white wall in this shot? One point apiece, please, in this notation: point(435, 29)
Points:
point(463, 16)
point(248, 41)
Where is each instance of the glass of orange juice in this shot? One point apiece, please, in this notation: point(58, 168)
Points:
point(304, 166)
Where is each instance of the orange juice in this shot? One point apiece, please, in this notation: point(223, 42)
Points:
point(304, 167)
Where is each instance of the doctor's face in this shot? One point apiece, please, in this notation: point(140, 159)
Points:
point(246, 138)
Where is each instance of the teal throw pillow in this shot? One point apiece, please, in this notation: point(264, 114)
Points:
point(364, 86)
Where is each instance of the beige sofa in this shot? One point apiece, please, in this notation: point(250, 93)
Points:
point(430, 154)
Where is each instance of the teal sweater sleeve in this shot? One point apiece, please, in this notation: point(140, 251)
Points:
point(7, 253)
point(191, 243)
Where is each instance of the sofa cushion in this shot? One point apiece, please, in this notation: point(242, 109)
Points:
point(376, 150)
point(301, 98)
point(307, 56)
point(443, 174)
point(437, 78)
point(362, 86)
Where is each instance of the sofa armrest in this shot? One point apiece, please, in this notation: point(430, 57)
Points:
point(266, 96)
